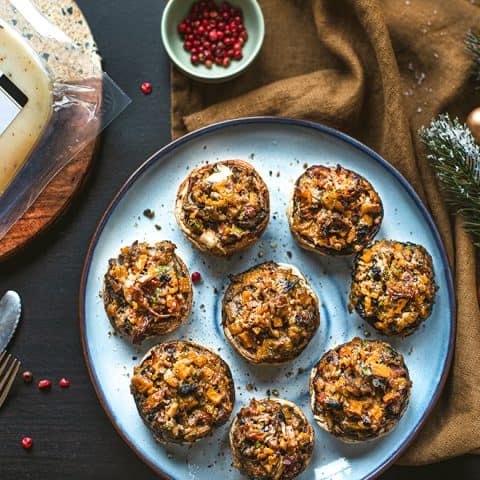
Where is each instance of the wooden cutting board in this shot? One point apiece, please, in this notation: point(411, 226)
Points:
point(58, 195)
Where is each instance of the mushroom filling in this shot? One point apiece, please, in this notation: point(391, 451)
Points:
point(270, 313)
point(225, 203)
point(393, 286)
point(335, 209)
point(182, 391)
point(147, 290)
point(360, 389)
point(271, 440)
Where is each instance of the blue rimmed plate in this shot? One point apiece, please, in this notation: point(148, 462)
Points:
point(280, 149)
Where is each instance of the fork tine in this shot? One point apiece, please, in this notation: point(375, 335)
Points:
point(6, 377)
point(2, 355)
point(5, 363)
point(7, 381)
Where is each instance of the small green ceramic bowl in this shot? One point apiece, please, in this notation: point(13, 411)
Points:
point(177, 10)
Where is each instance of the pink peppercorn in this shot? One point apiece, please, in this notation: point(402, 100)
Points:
point(44, 384)
point(196, 277)
point(146, 88)
point(64, 383)
point(27, 443)
point(208, 32)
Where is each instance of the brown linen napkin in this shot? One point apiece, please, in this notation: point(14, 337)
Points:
point(376, 70)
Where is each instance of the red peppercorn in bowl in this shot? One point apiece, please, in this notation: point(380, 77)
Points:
point(212, 41)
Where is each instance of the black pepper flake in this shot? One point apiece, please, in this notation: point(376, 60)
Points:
point(70, 10)
point(289, 254)
point(149, 213)
point(158, 227)
point(46, 56)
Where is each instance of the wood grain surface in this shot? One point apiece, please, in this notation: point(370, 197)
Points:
point(51, 203)
point(73, 438)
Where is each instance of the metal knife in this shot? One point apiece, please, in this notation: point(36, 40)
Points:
point(10, 311)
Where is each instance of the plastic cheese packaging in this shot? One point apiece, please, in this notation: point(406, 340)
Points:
point(26, 102)
point(55, 98)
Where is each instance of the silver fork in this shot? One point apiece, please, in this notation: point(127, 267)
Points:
point(9, 367)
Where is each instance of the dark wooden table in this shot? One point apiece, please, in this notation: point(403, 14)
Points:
point(73, 437)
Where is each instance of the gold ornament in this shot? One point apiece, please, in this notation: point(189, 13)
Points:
point(473, 123)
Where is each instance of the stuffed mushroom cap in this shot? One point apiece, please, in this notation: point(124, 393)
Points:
point(360, 390)
point(334, 211)
point(182, 391)
point(393, 286)
point(223, 207)
point(270, 313)
point(147, 290)
point(271, 439)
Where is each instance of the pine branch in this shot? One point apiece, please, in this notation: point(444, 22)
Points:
point(472, 42)
point(455, 158)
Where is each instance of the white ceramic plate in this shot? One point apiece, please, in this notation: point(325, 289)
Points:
point(279, 149)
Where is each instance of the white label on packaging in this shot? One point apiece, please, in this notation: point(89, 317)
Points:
point(12, 100)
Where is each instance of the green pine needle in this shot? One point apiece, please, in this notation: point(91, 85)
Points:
point(455, 158)
point(472, 42)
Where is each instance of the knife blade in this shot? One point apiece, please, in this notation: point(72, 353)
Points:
point(10, 311)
